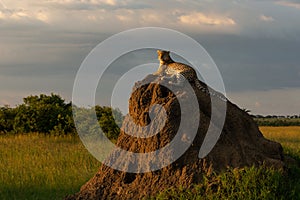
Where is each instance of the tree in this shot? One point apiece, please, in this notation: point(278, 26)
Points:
point(44, 114)
point(7, 116)
point(50, 114)
point(110, 121)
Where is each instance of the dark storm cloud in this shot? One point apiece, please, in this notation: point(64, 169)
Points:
point(245, 63)
point(43, 43)
point(255, 63)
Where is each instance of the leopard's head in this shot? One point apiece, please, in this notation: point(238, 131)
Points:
point(164, 57)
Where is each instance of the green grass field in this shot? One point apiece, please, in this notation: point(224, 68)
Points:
point(47, 167)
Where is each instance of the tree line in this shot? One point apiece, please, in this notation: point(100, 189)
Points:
point(277, 120)
point(50, 114)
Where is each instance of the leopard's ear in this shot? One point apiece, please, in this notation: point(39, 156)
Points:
point(168, 52)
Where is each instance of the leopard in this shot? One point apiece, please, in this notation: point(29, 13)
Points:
point(178, 72)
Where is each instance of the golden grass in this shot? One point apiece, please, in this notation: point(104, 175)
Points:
point(43, 167)
point(288, 136)
point(35, 166)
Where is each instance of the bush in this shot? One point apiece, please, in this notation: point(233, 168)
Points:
point(43, 114)
point(51, 115)
point(7, 116)
point(110, 121)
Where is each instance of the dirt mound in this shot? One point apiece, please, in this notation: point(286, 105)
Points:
point(240, 144)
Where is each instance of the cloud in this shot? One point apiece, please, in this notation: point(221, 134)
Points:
point(248, 63)
point(95, 4)
point(91, 2)
point(151, 18)
point(13, 14)
point(79, 4)
point(23, 15)
point(289, 4)
point(42, 40)
point(198, 18)
point(266, 18)
point(110, 2)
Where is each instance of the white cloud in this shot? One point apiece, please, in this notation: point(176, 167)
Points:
point(92, 2)
point(198, 18)
point(13, 14)
point(289, 4)
point(24, 14)
point(110, 2)
point(266, 18)
point(123, 18)
point(42, 16)
point(151, 18)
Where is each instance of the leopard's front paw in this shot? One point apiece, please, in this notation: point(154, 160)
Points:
point(164, 78)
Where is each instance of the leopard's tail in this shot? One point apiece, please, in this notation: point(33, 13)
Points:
point(210, 91)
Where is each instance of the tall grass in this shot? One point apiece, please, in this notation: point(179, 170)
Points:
point(250, 183)
point(288, 137)
point(43, 167)
point(35, 166)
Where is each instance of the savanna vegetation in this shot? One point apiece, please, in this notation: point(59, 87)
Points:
point(41, 156)
point(50, 114)
point(273, 120)
point(252, 182)
point(38, 166)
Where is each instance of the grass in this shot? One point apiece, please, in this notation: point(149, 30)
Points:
point(250, 183)
point(47, 167)
point(288, 137)
point(43, 167)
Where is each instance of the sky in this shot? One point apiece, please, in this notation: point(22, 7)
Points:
point(255, 44)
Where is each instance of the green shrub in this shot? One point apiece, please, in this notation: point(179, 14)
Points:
point(51, 115)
